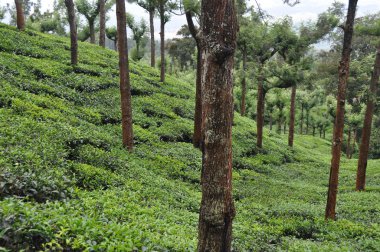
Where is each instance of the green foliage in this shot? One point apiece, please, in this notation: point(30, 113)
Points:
point(67, 184)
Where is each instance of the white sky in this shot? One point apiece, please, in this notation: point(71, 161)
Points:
point(304, 11)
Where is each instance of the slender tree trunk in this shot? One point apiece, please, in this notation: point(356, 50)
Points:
point(125, 88)
point(307, 121)
point(115, 44)
point(260, 109)
point(279, 123)
point(320, 132)
point(102, 23)
point(20, 15)
point(218, 48)
point(353, 142)
point(243, 83)
point(292, 115)
point(344, 68)
point(197, 137)
point(348, 152)
point(270, 122)
point(366, 133)
point(73, 31)
point(301, 123)
point(91, 25)
point(152, 41)
point(313, 131)
point(162, 35)
point(284, 127)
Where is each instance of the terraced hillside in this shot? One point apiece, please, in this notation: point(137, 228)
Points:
point(66, 184)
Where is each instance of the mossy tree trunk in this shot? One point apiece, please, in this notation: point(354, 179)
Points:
point(125, 88)
point(366, 133)
point(218, 48)
point(344, 68)
point(73, 31)
point(91, 24)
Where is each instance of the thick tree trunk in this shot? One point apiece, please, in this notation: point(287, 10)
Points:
point(348, 148)
point(218, 47)
point(102, 23)
point(260, 109)
point(243, 82)
point(91, 25)
point(301, 122)
point(125, 88)
point(344, 68)
point(162, 35)
point(20, 15)
point(152, 41)
point(292, 115)
point(73, 31)
point(197, 137)
point(366, 133)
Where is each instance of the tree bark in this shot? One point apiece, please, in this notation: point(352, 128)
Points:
point(20, 15)
point(162, 35)
point(307, 121)
point(292, 115)
point(270, 122)
point(260, 109)
point(243, 83)
point(367, 126)
point(125, 89)
point(73, 31)
point(152, 41)
point(197, 137)
point(348, 148)
point(91, 25)
point(301, 122)
point(353, 142)
point(218, 48)
point(344, 67)
point(102, 23)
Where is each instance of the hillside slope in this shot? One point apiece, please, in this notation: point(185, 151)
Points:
point(66, 184)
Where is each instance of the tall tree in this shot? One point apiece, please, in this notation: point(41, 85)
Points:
point(73, 31)
point(20, 15)
point(344, 68)
point(191, 9)
point(164, 7)
point(102, 22)
point(371, 102)
point(139, 29)
point(218, 48)
point(112, 35)
point(125, 88)
point(90, 10)
point(150, 7)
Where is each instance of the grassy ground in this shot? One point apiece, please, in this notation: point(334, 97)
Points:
point(66, 183)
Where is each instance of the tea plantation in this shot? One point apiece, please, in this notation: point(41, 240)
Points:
point(66, 184)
